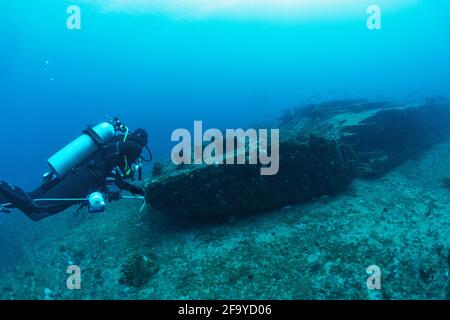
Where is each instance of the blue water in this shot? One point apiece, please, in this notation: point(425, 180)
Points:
point(157, 70)
point(161, 72)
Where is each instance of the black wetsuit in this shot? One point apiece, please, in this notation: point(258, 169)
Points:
point(112, 160)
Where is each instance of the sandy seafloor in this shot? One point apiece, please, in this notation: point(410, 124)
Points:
point(317, 250)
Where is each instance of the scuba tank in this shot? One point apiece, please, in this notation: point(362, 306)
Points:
point(73, 155)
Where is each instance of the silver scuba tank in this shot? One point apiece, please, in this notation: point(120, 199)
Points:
point(72, 155)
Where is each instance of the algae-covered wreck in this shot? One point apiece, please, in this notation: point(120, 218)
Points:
point(323, 147)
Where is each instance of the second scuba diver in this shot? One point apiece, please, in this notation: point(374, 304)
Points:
point(96, 164)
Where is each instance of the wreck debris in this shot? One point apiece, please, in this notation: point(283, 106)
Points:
point(323, 147)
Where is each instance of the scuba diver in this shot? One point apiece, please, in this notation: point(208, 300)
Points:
point(93, 167)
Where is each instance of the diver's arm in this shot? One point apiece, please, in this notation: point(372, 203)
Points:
point(120, 155)
point(122, 184)
point(115, 185)
point(131, 149)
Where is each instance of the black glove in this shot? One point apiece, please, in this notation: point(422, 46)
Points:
point(136, 191)
point(112, 190)
point(114, 196)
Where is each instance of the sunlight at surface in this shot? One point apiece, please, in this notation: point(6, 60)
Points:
point(262, 9)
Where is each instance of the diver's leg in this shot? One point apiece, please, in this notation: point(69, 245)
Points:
point(77, 185)
point(15, 196)
point(42, 212)
point(19, 199)
point(2, 198)
point(4, 203)
point(36, 216)
point(46, 185)
point(5, 207)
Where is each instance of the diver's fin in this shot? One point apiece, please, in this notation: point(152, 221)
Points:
point(13, 197)
point(5, 207)
point(4, 202)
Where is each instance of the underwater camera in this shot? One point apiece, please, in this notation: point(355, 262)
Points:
point(96, 203)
